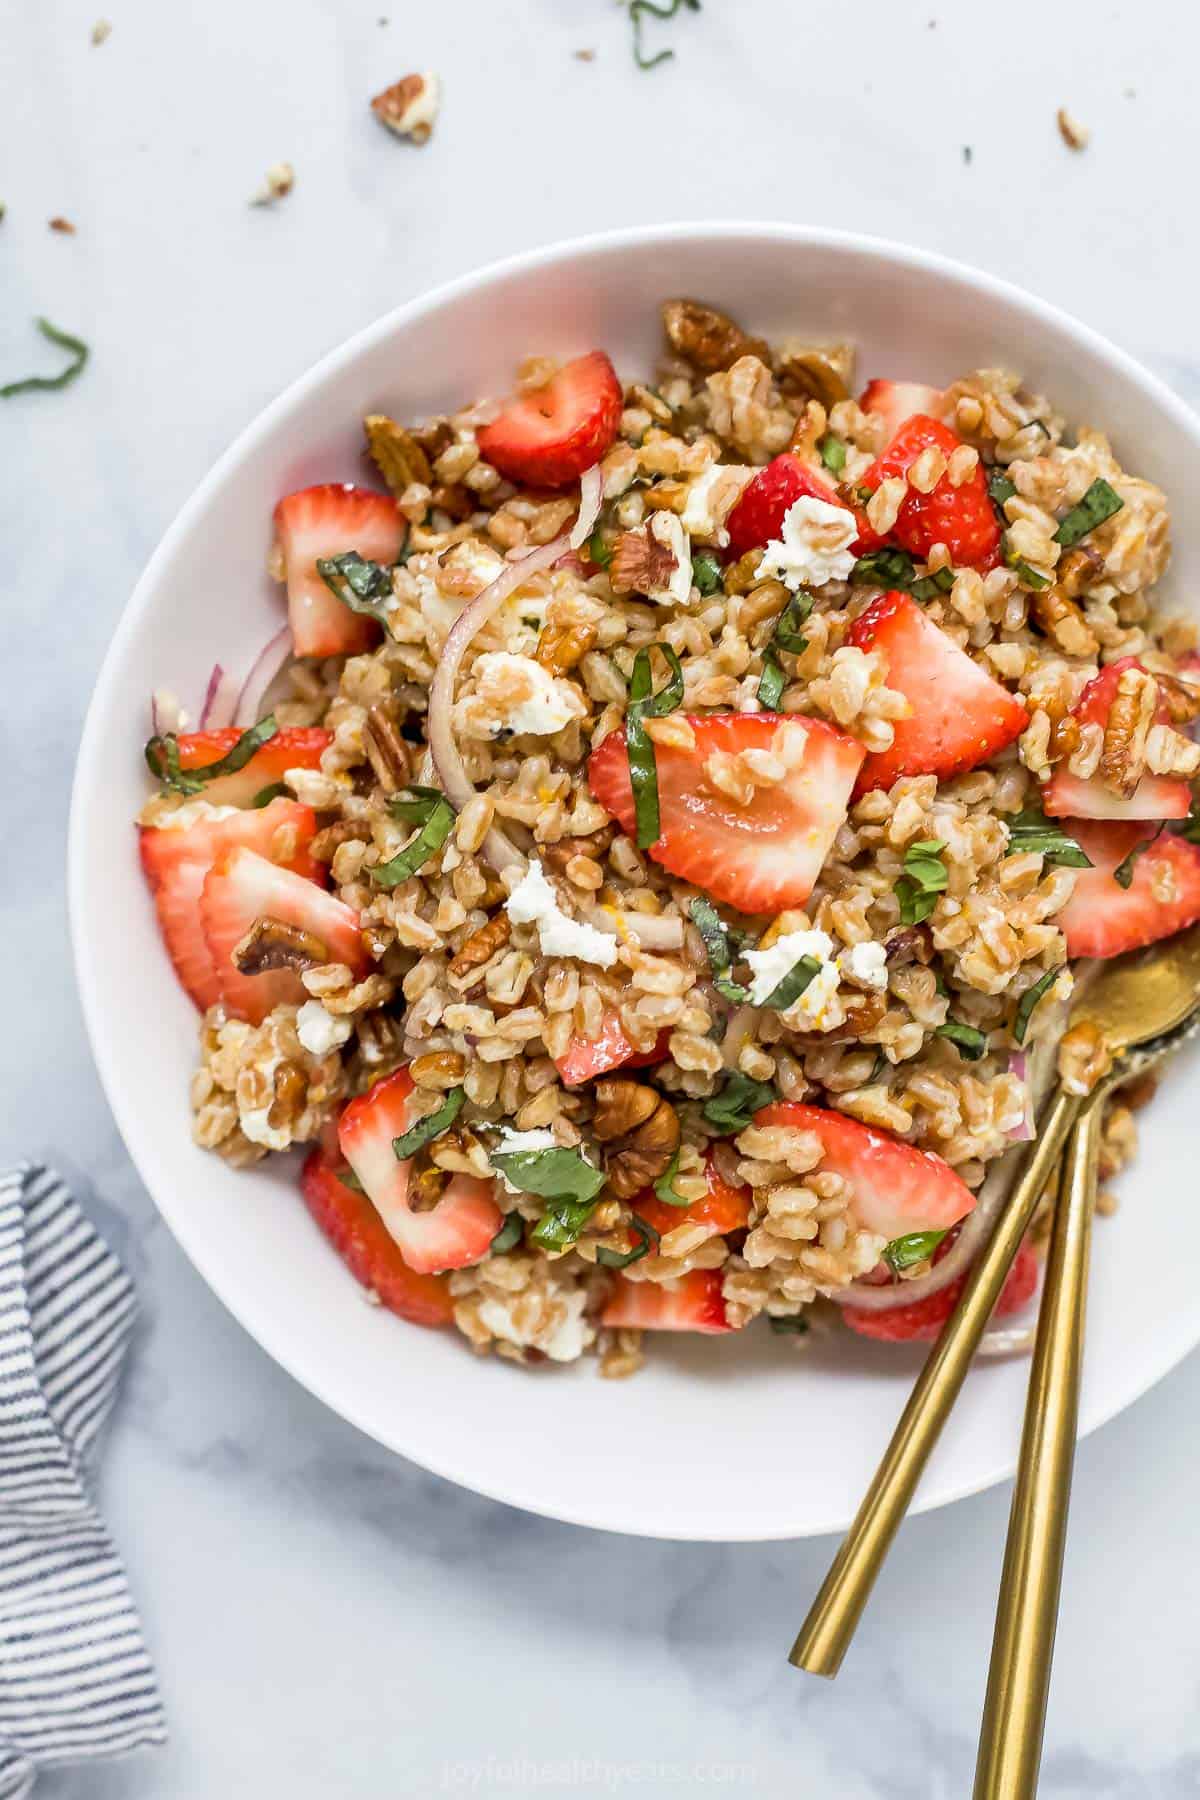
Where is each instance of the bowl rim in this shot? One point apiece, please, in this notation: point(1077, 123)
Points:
point(306, 1367)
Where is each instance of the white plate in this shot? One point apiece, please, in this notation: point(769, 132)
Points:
point(718, 1438)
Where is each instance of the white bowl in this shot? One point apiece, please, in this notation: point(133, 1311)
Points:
point(718, 1438)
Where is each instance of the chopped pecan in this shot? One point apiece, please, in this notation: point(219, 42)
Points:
point(1061, 619)
point(380, 1039)
point(438, 1069)
point(1079, 568)
point(342, 831)
point(270, 944)
point(1182, 698)
point(742, 575)
point(823, 372)
point(595, 845)
point(453, 498)
point(409, 107)
point(666, 496)
point(640, 1130)
point(387, 752)
point(621, 1106)
point(560, 648)
point(396, 453)
point(291, 1092)
point(1123, 757)
point(482, 945)
point(640, 563)
point(710, 340)
point(912, 943)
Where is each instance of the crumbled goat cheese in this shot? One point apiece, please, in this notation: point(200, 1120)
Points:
point(320, 1031)
point(780, 958)
point(256, 1122)
point(866, 964)
point(710, 500)
point(814, 545)
point(533, 902)
point(195, 812)
point(515, 693)
point(569, 1339)
point(512, 1143)
point(667, 529)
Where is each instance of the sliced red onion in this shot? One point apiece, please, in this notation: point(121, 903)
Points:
point(263, 671)
point(166, 712)
point(591, 492)
point(1018, 1065)
point(653, 931)
point(498, 847)
point(220, 701)
point(738, 1032)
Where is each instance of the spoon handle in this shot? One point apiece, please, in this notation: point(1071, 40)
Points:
point(826, 1633)
point(1014, 1713)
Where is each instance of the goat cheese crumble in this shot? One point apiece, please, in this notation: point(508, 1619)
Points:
point(534, 902)
point(863, 963)
point(320, 1031)
point(710, 500)
point(667, 529)
point(813, 546)
point(515, 693)
point(569, 1339)
point(866, 964)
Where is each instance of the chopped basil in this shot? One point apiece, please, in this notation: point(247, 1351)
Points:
point(264, 796)
point(41, 383)
point(1000, 488)
point(791, 1325)
point(1123, 873)
point(1027, 576)
point(1031, 832)
point(715, 932)
point(923, 878)
point(599, 549)
point(349, 1179)
point(739, 1098)
point(432, 812)
point(1099, 503)
point(833, 453)
point(914, 1247)
point(786, 636)
point(667, 11)
point(940, 582)
point(1029, 1000)
point(561, 1226)
point(707, 572)
point(644, 703)
point(664, 1187)
point(162, 756)
point(430, 1127)
point(556, 1174)
point(877, 1068)
point(772, 681)
point(970, 1042)
point(1189, 829)
point(884, 569)
point(648, 1239)
point(509, 1234)
point(365, 587)
point(789, 990)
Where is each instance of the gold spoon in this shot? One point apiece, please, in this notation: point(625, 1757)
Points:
point(1014, 1715)
point(1129, 1003)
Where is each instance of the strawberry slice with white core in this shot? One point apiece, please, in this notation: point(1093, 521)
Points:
point(547, 436)
point(178, 854)
point(1088, 797)
point(241, 888)
point(459, 1229)
point(960, 717)
point(894, 1187)
point(897, 401)
point(1102, 918)
point(692, 1302)
point(367, 1248)
point(765, 855)
point(584, 1058)
point(322, 522)
point(290, 749)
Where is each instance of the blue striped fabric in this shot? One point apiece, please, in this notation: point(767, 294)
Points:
point(75, 1679)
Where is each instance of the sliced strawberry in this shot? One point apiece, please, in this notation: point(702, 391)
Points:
point(762, 857)
point(455, 1232)
point(1102, 918)
point(691, 1302)
point(894, 1187)
point(176, 859)
point(921, 1321)
point(1087, 797)
point(723, 1208)
point(367, 1248)
point(960, 717)
point(327, 521)
point(897, 401)
point(759, 514)
point(242, 887)
point(609, 1049)
point(548, 436)
point(963, 518)
point(293, 749)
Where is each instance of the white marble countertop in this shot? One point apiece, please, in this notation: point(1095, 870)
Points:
point(326, 1618)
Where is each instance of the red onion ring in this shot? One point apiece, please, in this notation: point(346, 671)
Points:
point(262, 673)
point(591, 493)
point(220, 701)
point(457, 785)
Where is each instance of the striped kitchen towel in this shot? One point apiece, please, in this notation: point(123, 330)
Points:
point(75, 1679)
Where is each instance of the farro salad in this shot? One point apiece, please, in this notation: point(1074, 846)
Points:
point(653, 893)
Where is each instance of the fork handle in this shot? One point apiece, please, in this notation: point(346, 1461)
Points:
point(834, 1614)
point(1014, 1714)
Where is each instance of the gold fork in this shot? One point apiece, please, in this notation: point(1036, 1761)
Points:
point(1131, 1002)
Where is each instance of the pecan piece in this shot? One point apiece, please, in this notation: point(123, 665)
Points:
point(342, 831)
point(1077, 570)
point(641, 564)
point(453, 498)
point(1182, 698)
point(641, 1132)
point(595, 845)
point(710, 340)
point(822, 372)
point(560, 648)
point(1061, 619)
point(409, 107)
point(291, 1091)
point(482, 945)
point(396, 453)
point(1123, 757)
point(438, 1069)
point(270, 944)
point(387, 752)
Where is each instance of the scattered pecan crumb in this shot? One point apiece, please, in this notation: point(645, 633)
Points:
point(101, 30)
point(481, 946)
point(585, 56)
point(709, 338)
point(1074, 135)
point(273, 944)
point(64, 225)
point(280, 180)
point(640, 564)
point(409, 107)
point(640, 1130)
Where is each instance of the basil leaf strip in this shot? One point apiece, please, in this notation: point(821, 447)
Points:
point(1000, 488)
point(1029, 1000)
point(740, 1097)
point(560, 1227)
point(922, 879)
point(276, 791)
point(1123, 873)
point(929, 586)
point(885, 569)
point(42, 383)
point(707, 572)
point(1021, 569)
point(644, 703)
point(664, 1187)
point(789, 990)
point(968, 1040)
point(509, 1234)
point(715, 932)
point(791, 1325)
point(786, 636)
point(557, 1174)
point(432, 1126)
point(162, 757)
point(833, 453)
point(365, 587)
point(1032, 832)
point(648, 1239)
point(435, 815)
point(636, 9)
point(599, 549)
point(1099, 503)
point(914, 1247)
